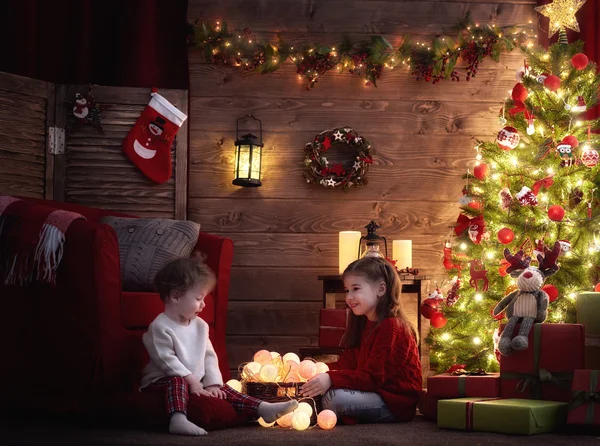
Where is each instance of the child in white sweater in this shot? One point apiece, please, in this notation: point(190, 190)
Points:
point(182, 359)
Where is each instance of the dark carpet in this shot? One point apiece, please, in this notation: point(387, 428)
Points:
point(418, 432)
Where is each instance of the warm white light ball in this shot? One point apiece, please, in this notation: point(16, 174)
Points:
point(286, 420)
point(292, 378)
point(307, 369)
point(234, 384)
point(321, 367)
point(262, 357)
point(275, 355)
point(300, 420)
point(268, 373)
point(291, 357)
point(263, 423)
point(252, 369)
point(305, 407)
point(326, 419)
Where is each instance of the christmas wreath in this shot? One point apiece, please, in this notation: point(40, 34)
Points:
point(318, 169)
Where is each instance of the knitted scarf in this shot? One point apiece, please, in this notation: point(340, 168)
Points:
point(31, 240)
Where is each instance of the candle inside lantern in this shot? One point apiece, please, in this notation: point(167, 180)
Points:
point(402, 253)
point(348, 245)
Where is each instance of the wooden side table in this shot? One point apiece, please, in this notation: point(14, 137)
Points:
point(333, 287)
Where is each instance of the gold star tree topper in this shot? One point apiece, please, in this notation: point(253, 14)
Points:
point(561, 13)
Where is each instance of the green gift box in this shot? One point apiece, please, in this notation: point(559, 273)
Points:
point(503, 415)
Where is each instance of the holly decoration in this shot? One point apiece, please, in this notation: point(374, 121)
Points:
point(318, 169)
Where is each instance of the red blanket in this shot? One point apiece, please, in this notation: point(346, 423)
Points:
point(31, 240)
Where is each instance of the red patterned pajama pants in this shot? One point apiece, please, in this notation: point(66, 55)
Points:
point(177, 396)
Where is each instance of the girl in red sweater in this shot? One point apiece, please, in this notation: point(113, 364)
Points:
point(377, 378)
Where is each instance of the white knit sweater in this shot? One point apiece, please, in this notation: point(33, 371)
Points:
point(177, 350)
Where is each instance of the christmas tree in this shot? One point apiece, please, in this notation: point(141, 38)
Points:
point(536, 183)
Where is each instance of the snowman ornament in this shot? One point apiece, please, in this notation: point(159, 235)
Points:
point(81, 109)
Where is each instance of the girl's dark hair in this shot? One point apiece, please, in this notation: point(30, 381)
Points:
point(182, 274)
point(375, 270)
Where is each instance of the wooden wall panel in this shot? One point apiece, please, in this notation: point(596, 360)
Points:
point(285, 232)
point(23, 108)
point(98, 174)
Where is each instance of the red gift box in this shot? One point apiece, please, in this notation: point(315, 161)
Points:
point(545, 369)
point(585, 406)
point(332, 326)
point(447, 386)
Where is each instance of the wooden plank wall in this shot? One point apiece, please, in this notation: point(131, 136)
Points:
point(24, 105)
point(285, 232)
point(95, 171)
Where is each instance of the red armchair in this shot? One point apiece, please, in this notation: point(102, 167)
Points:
point(76, 347)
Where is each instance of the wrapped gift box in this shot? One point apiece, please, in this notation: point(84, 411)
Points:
point(448, 386)
point(588, 314)
point(332, 326)
point(506, 416)
point(585, 405)
point(545, 369)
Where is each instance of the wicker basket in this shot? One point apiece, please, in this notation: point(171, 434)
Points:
point(278, 392)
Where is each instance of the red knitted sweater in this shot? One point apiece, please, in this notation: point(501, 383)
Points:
point(387, 362)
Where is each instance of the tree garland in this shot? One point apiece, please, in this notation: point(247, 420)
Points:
point(319, 170)
point(367, 58)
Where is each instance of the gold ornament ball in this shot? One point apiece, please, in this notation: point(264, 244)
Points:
point(326, 419)
point(300, 420)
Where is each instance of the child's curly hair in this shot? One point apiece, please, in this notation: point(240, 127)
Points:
point(180, 275)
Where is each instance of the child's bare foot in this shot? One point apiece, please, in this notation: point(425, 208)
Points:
point(180, 425)
point(273, 411)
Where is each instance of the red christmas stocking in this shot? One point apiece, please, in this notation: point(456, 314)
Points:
point(148, 144)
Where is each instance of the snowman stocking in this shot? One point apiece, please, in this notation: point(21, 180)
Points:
point(148, 144)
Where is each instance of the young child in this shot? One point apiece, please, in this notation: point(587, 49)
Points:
point(377, 378)
point(183, 362)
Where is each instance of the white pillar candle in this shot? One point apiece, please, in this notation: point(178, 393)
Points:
point(402, 253)
point(348, 244)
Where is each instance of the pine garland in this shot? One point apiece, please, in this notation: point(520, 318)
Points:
point(366, 58)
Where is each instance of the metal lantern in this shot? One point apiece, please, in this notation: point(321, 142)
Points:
point(248, 157)
point(370, 244)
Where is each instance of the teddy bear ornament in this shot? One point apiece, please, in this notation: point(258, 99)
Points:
point(527, 304)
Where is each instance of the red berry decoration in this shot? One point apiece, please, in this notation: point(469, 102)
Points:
point(579, 61)
point(505, 236)
point(438, 320)
point(552, 82)
point(551, 291)
point(556, 212)
point(480, 171)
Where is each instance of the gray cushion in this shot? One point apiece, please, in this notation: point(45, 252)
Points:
point(147, 244)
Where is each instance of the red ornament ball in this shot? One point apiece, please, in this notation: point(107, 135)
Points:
point(551, 291)
point(597, 288)
point(438, 320)
point(579, 61)
point(519, 93)
point(552, 82)
point(556, 212)
point(480, 171)
point(590, 158)
point(505, 236)
point(477, 205)
point(429, 307)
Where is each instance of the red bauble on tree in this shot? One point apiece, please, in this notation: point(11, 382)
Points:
point(438, 320)
point(579, 61)
point(551, 291)
point(480, 171)
point(597, 288)
point(505, 236)
point(556, 212)
point(429, 307)
point(552, 82)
